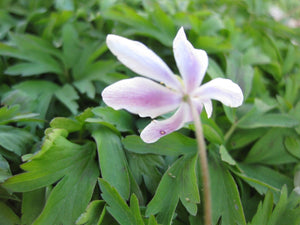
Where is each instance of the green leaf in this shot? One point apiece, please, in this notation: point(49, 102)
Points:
point(7, 215)
point(71, 47)
point(226, 201)
point(146, 166)
point(263, 179)
point(287, 209)
point(32, 205)
point(140, 24)
point(111, 155)
point(121, 119)
point(257, 120)
point(93, 215)
point(181, 176)
point(15, 140)
point(4, 169)
point(225, 156)
point(37, 94)
point(173, 144)
point(118, 207)
point(269, 149)
point(68, 96)
point(66, 123)
point(66, 163)
point(264, 210)
point(292, 144)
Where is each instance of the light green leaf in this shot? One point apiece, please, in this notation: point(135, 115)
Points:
point(111, 155)
point(225, 156)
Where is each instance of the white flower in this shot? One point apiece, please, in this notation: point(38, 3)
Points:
point(148, 97)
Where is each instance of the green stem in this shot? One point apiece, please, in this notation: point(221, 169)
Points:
point(203, 164)
point(230, 132)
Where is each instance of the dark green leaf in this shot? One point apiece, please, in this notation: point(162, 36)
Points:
point(181, 176)
point(226, 201)
point(111, 155)
point(118, 207)
point(270, 149)
point(173, 144)
point(93, 215)
point(15, 140)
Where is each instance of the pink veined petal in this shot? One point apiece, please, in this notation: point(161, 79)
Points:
point(159, 128)
point(192, 63)
point(141, 96)
point(141, 60)
point(223, 90)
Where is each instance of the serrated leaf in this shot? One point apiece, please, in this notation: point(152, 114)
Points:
point(264, 210)
point(145, 166)
point(69, 164)
point(118, 207)
point(181, 176)
point(111, 155)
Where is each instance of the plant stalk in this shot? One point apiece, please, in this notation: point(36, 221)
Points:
point(203, 164)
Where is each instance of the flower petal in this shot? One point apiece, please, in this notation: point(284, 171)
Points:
point(208, 108)
point(141, 60)
point(157, 129)
point(192, 63)
point(223, 90)
point(141, 96)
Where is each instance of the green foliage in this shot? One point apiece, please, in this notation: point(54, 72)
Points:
point(57, 138)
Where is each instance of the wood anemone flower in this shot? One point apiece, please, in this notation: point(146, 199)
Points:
point(160, 91)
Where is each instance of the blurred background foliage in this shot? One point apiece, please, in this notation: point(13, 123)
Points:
point(54, 63)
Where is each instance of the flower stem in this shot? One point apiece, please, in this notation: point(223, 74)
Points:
point(203, 164)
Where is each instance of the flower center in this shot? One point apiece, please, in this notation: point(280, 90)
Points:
point(185, 98)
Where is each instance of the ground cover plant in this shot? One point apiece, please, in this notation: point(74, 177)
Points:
point(68, 158)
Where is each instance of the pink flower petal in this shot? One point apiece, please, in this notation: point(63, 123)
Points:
point(159, 128)
point(141, 60)
point(141, 96)
point(192, 63)
point(223, 90)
